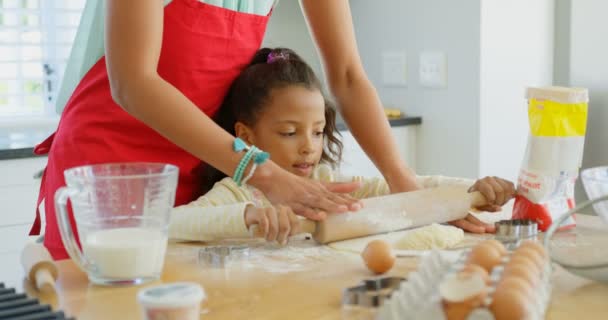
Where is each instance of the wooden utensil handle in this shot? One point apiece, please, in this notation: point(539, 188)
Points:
point(45, 282)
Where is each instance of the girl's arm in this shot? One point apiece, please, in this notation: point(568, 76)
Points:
point(331, 25)
point(375, 187)
point(227, 211)
point(218, 214)
point(133, 41)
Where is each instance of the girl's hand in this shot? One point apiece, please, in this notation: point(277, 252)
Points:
point(306, 197)
point(496, 190)
point(276, 223)
point(471, 224)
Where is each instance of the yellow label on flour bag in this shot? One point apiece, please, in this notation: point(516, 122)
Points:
point(554, 119)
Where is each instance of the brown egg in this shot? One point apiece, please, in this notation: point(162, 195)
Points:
point(497, 245)
point(461, 293)
point(517, 284)
point(525, 260)
point(460, 310)
point(531, 254)
point(536, 246)
point(509, 304)
point(378, 256)
point(485, 255)
point(474, 268)
point(521, 271)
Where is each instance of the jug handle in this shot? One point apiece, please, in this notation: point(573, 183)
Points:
point(65, 228)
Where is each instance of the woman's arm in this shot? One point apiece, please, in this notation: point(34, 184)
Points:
point(133, 42)
point(330, 23)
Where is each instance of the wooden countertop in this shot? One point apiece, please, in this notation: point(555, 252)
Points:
point(310, 290)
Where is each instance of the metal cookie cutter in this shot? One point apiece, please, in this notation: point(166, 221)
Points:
point(220, 256)
point(371, 293)
point(516, 229)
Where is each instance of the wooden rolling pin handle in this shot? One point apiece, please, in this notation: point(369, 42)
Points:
point(477, 199)
point(39, 266)
point(45, 282)
point(306, 226)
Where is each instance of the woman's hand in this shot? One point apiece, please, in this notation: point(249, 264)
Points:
point(497, 192)
point(276, 223)
point(306, 197)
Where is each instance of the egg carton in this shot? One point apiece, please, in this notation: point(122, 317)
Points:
point(419, 297)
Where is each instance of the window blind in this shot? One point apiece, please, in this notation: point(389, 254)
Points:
point(35, 41)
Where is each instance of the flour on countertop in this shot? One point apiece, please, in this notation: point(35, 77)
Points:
point(298, 255)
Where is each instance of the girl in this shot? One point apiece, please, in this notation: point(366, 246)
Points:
point(277, 105)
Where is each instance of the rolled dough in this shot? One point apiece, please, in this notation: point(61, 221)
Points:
point(434, 236)
point(429, 237)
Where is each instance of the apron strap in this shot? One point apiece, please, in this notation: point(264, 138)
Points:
point(42, 148)
point(37, 225)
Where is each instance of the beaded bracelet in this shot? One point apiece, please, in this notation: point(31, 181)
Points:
point(250, 175)
point(258, 156)
point(240, 169)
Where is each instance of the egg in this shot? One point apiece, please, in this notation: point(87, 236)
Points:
point(536, 246)
point(517, 284)
point(474, 268)
point(461, 293)
point(531, 254)
point(460, 310)
point(525, 260)
point(497, 245)
point(378, 256)
point(485, 255)
point(521, 271)
point(508, 303)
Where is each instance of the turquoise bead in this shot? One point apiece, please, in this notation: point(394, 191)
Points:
point(239, 145)
point(261, 157)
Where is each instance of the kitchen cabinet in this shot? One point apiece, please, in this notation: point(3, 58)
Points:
point(18, 195)
point(356, 163)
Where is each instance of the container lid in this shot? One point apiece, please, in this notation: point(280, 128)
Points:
point(558, 94)
point(172, 295)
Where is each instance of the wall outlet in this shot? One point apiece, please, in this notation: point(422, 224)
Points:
point(394, 69)
point(433, 70)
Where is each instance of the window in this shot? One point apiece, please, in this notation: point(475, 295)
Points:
point(35, 41)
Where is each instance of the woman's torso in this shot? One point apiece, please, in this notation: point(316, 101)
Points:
point(204, 48)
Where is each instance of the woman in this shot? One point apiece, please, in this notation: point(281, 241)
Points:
point(165, 72)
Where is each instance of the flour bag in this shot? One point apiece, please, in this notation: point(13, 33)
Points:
point(554, 154)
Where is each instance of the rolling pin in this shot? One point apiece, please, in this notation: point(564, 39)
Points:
point(394, 212)
point(39, 267)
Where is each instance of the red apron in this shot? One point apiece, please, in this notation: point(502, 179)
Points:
point(204, 49)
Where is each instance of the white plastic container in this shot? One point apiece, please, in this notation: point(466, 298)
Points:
point(173, 301)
